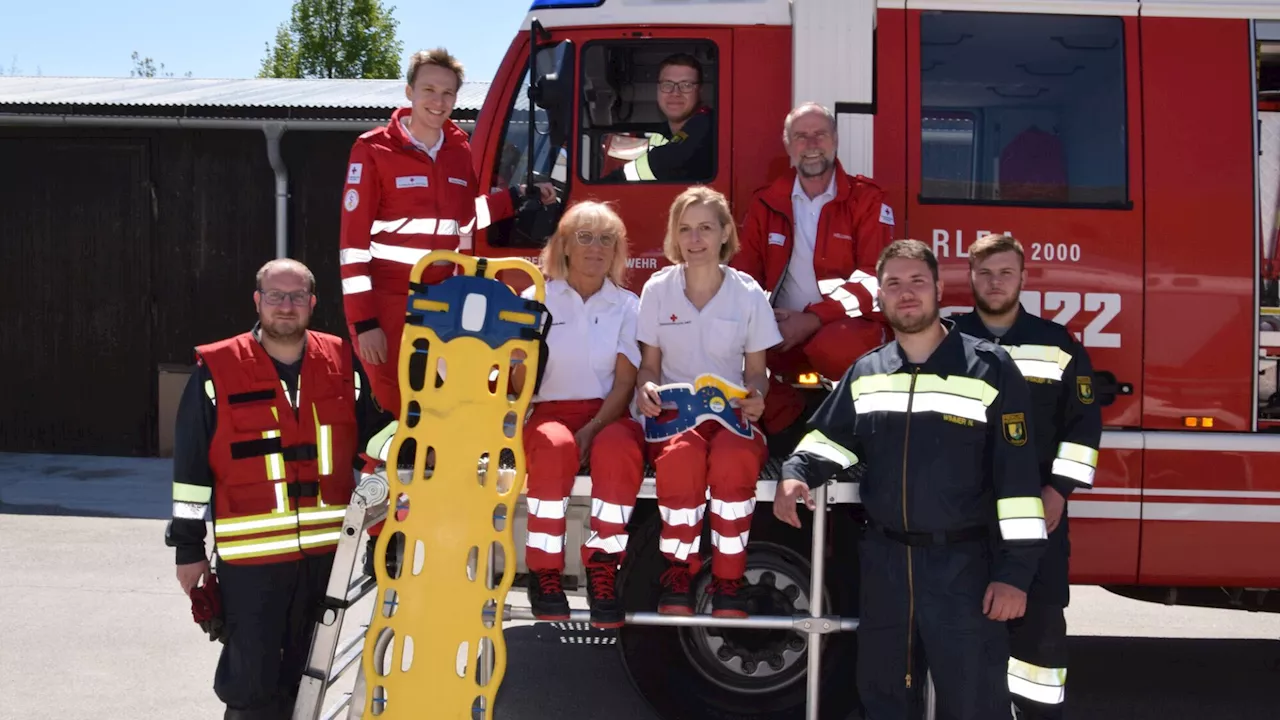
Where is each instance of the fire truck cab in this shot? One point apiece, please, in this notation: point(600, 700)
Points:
point(1132, 146)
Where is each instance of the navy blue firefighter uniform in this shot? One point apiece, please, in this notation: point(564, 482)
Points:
point(1068, 428)
point(953, 504)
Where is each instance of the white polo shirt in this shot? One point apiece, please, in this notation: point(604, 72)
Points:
point(737, 320)
point(585, 340)
point(800, 286)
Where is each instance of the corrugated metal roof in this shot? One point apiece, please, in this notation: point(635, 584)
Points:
point(195, 92)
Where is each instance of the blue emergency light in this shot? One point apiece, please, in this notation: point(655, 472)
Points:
point(553, 4)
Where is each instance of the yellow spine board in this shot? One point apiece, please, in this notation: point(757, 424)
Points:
point(439, 610)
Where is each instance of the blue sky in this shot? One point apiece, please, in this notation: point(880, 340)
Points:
point(223, 38)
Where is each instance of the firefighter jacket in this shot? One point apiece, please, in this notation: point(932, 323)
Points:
point(1066, 416)
point(271, 448)
point(399, 204)
point(853, 229)
point(685, 155)
point(946, 444)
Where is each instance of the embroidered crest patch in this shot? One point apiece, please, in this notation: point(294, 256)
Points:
point(1015, 428)
point(1084, 390)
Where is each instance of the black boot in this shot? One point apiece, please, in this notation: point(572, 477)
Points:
point(602, 595)
point(546, 595)
point(726, 598)
point(676, 597)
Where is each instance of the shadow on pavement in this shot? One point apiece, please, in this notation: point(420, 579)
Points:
point(85, 486)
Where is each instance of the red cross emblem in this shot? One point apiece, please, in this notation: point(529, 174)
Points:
point(673, 317)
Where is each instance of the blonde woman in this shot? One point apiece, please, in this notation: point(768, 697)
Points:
point(700, 316)
point(580, 412)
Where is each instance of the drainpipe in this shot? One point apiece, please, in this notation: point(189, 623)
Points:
point(274, 131)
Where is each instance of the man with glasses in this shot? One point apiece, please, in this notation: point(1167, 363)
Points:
point(681, 149)
point(268, 435)
point(812, 239)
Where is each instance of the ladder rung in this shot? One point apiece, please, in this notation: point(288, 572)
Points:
point(358, 589)
point(332, 712)
point(347, 657)
point(757, 622)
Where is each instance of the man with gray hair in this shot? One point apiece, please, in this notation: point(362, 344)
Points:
point(811, 239)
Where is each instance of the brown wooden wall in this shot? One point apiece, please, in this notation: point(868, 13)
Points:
point(121, 249)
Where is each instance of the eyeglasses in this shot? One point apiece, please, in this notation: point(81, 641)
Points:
point(276, 297)
point(669, 86)
point(586, 237)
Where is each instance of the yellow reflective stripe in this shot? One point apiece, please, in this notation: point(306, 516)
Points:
point(819, 444)
point(185, 492)
point(1019, 507)
point(324, 443)
point(638, 169)
point(254, 524)
point(944, 403)
point(1056, 677)
point(965, 387)
point(313, 538)
point(380, 444)
point(275, 461)
point(208, 390)
point(1079, 453)
point(1040, 684)
point(358, 388)
point(258, 547)
point(313, 516)
point(1047, 353)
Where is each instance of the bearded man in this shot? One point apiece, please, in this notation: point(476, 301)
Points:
point(267, 440)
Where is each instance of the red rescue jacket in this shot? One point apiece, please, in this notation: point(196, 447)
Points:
point(398, 204)
point(281, 466)
point(853, 229)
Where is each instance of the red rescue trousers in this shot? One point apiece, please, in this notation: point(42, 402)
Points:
point(551, 457)
point(392, 303)
point(830, 352)
point(708, 456)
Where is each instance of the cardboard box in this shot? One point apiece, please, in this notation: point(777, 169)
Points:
point(173, 380)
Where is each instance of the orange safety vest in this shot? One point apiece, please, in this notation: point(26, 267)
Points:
point(282, 466)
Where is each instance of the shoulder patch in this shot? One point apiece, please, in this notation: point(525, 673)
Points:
point(1084, 389)
point(352, 200)
point(1015, 428)
point(886, 214)
point(354, 172)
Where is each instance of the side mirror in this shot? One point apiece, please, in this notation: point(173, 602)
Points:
point(553, 92)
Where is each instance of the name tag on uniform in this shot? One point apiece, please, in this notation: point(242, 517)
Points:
point(408, 181)
point(777, 239)
point(458, 181)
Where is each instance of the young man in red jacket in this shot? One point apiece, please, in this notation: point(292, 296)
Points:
point(811, 239)
point(411, 188)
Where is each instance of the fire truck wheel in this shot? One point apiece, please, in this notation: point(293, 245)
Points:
point(700, 673)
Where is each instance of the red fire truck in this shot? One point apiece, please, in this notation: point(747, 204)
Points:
point(1156, 125)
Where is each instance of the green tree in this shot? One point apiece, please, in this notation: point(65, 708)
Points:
point(335, 39)
point(146, 67)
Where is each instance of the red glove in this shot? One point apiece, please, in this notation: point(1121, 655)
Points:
point(206, 609)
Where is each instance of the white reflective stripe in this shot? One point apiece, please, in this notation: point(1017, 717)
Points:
point(396, 253)
point(1039, 369)
point(357, 284)
point(252, 548)
point(482, 213)
point(1076, 471)
point(1080, 453)
point(233, 527)
point(325, 438)
point(208, 390)
point(733, 510)
point(610, 513)
point(190, 510)
point(1041, 684)
point(321, 538)
point(682, 516)
point(553, 544)
point(312, 515)
point(819, 444)
point(548, 509)
point(379, 226)
point(893, 401)
point(681, 550)
point(275, 461)
point(612, 545)
point(730, 544)
point(351, 256)
point(291, 399)
point(1023, 529)
point(282, 498)
point(464, 241)
point(852, 306)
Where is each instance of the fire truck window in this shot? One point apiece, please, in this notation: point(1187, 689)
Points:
point(648, 111)
point(1023, 109)
point(550, 160)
